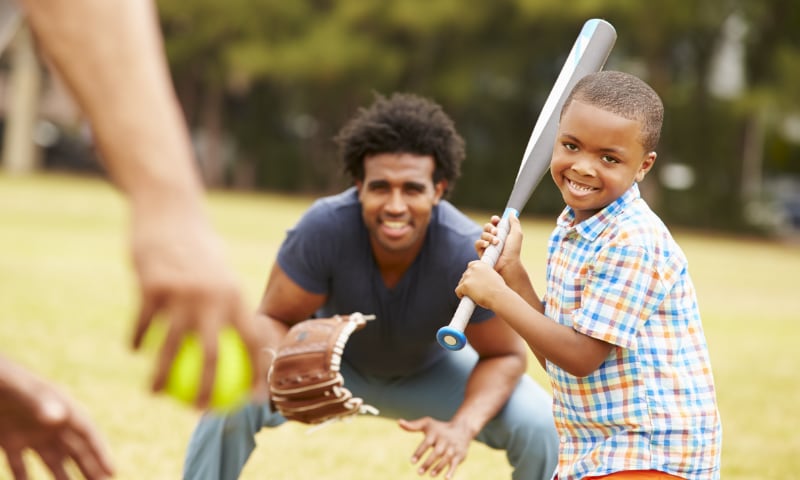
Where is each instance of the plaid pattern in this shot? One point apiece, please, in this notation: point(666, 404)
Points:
point(620, 277)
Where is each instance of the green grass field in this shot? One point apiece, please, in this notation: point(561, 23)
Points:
point(68, 300)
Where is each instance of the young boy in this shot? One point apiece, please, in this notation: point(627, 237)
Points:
point(618, 329)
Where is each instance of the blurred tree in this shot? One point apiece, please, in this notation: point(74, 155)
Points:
point(771, 106)
point(280, 77)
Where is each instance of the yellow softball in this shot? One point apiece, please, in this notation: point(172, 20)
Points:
point(234, 375)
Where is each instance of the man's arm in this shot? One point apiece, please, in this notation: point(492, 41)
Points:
point(502, 361)
point(283, 304)
point(110, 54)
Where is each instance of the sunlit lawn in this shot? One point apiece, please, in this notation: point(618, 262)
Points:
point(68, 300)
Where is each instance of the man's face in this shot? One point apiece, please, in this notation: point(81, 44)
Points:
point(596, 158)
point(397, 196)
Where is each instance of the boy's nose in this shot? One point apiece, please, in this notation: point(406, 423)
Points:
point(584, 166)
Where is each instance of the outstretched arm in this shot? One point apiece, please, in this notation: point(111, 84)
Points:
point(110, 54)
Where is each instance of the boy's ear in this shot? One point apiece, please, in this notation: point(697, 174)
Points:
point(647, 164)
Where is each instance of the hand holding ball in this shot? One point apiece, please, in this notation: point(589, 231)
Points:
point(234, 375)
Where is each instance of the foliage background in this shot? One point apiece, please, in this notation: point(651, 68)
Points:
point(266, 84)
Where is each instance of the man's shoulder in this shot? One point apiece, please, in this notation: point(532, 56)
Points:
point(346, 199)
point(334, 208)
point(453, 234)
point(455, 221)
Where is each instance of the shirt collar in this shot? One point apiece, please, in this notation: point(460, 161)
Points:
point(592, 227)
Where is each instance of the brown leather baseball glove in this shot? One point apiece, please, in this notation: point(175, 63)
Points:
point(304, 379)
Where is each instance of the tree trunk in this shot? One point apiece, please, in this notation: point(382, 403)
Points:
point(20, 153)
point(752, 158)
point(212, 161)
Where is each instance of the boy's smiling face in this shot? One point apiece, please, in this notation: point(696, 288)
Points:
point(597, 157)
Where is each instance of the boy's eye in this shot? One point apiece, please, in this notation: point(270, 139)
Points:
point(571, 147)
point(609, 159)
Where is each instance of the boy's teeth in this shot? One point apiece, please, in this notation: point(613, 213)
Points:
point(579, 186)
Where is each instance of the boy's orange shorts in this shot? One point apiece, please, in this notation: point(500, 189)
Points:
point(637, 475)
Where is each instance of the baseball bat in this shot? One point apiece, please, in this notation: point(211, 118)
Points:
point(588, 55)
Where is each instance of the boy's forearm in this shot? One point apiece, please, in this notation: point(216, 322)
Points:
point(562, 345)
point(516, 277)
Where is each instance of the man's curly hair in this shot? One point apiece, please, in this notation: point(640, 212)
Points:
point(402, 123)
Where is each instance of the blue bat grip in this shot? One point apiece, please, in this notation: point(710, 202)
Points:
point(450, 338)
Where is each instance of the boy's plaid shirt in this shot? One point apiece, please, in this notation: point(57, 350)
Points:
point(621, 278)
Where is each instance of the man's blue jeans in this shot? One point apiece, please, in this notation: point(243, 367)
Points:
point(221, 445)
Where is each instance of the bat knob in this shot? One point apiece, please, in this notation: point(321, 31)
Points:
point(450, 338)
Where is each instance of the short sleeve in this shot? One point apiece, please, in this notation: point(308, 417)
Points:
point(621, 289)
point(308, 249)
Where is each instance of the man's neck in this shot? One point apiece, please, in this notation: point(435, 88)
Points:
point(393, 265)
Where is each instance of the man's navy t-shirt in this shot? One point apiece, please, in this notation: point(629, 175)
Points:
point(328, 252)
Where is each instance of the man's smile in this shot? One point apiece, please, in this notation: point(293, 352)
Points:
point(395, 228)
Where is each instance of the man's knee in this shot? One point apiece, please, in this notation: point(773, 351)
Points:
point(532, 442)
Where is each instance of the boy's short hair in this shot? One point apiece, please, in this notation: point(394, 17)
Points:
point(402, 123)
point(625, 95)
